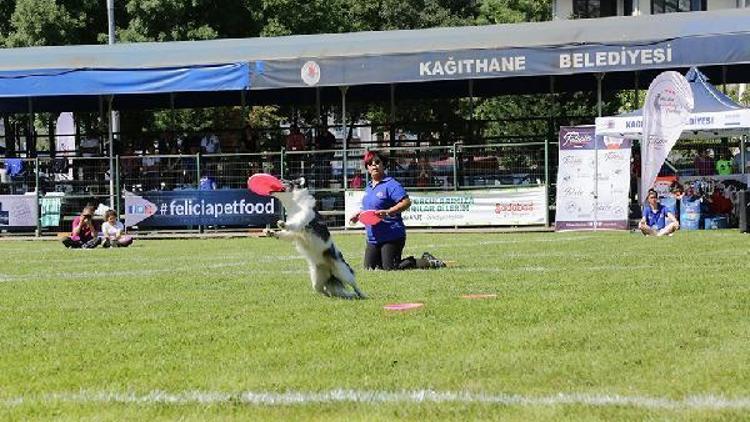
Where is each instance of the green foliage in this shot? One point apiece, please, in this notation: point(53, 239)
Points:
point(575, 313)
point(514, 11)
point(50, 22)
point(42, 22)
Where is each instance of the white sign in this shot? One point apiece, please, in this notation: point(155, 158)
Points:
point(506, 207)
point(668, 105)
point(593, 180)
point(18, 211)
point(65, 133)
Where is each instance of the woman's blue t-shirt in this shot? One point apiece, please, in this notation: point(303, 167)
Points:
point(382, 196)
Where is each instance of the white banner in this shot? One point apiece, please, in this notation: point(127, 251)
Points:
point(506, 207)
point(18, 211)
point(65, 131)
point(593, 179)
point(668, 105)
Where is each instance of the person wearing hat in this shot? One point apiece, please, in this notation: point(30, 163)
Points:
point(84, 234)
point(386, 240)
point(657, 220)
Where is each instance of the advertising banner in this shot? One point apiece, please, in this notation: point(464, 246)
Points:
point(18, 211)
point(593, 179)
point(478, 63)
point(229, 207)
point(666, 110)
point(506, 207)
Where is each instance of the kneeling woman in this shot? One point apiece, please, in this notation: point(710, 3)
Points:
point(386, 240)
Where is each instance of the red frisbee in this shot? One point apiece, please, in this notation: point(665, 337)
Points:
point(369, 218)
point(264, 184)
point(480, 296)
point(402, 306)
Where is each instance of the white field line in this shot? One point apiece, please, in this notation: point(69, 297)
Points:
point(499, 242)
point(214, 269)
point(693, 402)
point(540, 268)
point(210, 269)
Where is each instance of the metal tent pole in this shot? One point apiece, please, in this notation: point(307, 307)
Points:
point(114, 116)
point(599, 77)
point(471, 109)
point(344, 160)
point(111, 153)
point(392, 117)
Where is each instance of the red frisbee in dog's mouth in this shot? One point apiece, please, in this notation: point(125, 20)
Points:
point(402, 306)
point(264, 184)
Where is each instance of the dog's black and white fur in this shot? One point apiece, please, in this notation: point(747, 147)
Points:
point(329, 273)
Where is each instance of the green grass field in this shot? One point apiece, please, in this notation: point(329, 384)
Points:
point(585, 326)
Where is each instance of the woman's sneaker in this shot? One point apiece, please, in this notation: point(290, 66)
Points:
point(434, 262)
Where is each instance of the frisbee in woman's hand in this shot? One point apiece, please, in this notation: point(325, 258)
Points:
point(369, 217)
point(264, 184)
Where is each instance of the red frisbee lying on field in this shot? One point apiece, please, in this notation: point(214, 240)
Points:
point(480, 296)
point(264, 184)
point(402, 306)
point(369, 218)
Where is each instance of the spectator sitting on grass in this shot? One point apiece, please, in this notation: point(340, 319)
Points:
point(657, 220)
point(84, 234)
point(114, 232)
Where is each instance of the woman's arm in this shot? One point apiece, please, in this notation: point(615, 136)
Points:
point(400, 207)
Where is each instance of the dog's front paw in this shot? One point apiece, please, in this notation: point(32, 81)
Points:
point(281, 224)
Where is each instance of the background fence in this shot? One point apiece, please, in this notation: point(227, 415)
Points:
point(63, 186)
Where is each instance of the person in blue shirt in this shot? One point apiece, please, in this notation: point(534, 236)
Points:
point(386, 240)
point(657, 220)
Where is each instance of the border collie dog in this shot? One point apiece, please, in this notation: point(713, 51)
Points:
point(329, 273)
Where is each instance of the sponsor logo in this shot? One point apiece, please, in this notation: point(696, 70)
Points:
point(576, 139)
point(611, 142)
point(514, 207)
point(310, 73)
point(570, 160)
point(613, 156)
point(572, 191)
point(141, 209)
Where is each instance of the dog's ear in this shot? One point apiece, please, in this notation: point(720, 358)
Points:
point(300, 182)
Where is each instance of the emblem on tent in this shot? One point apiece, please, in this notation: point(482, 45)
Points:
point(311, 73)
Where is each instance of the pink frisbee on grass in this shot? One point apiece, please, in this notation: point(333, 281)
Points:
point(264, 184)
point(369, 218)
point(480, 296)
point(402, 306)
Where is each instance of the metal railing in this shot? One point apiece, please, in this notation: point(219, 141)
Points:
point(78, 181)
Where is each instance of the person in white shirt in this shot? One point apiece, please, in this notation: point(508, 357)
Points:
point(114, 232)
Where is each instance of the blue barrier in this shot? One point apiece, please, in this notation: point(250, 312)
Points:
point(690, 214)
point(716, 222)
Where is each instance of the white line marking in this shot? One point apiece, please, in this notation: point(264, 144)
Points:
point(158, 397)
